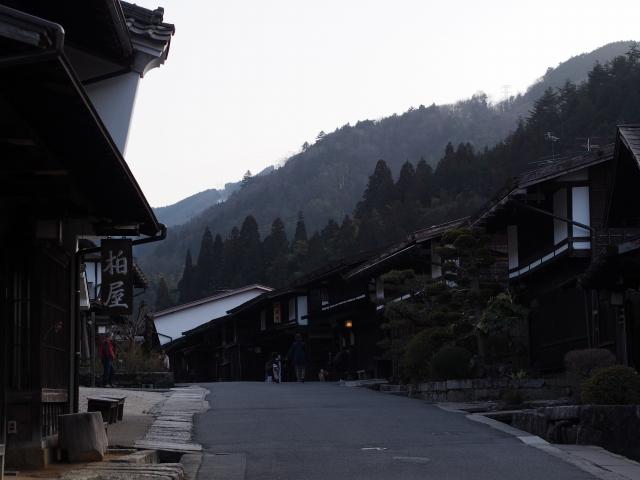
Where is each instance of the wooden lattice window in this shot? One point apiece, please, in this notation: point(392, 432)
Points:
point(20, 331)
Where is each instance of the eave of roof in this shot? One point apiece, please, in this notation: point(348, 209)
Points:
point(43, 87)
point(212, 298)
point(413, 239)
point(528, 179)
point(629, 135)
point(150, 36)
point(98, 26)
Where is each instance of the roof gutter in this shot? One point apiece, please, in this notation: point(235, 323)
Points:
point(162, 234)
point(47, 38)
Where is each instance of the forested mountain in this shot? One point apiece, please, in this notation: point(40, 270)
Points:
point(326, 179)
point(184, 210)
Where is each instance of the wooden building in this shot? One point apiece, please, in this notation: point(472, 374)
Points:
point(554, 221)
point(612, 281)
point(336, 309)
point(358, 329)
point(62, 177)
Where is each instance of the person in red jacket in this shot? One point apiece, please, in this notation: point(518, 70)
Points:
point(107, 356)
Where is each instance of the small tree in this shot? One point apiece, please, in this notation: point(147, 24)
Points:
point(247, 178)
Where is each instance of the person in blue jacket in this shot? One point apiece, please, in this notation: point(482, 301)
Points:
point(298, 356)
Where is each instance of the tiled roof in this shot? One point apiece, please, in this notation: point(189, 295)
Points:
point(630, 136)
point(554, 169)
point(412, 240)
point(212, 298)
point(435, 231)
point(147, 23)
point(563, 166)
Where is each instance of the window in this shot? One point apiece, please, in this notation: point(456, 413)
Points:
point(277, 313)
point(302, 313)
point(324, 296)
point(292, 309)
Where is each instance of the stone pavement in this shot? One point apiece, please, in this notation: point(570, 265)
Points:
point(597, 461)
point(614, 466)
point(172, 430)
point(152, 420)
point(139, 408)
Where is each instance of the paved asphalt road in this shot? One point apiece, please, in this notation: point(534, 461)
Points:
point(323, 431)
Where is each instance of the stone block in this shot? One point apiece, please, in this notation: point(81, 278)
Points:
point(532, 383)
point(459, 384)
point(570, 412)
point(82, 437)
point(501, 383)
point(440, 386)
point(482, 383)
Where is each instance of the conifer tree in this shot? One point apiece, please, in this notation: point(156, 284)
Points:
point(230, 259)
point(276, 248)
point(163, 297)
point(206, 266)
point(380, 191)
point(423, 185)
point(250, 258)
point(405, 185)
point(301, 229)
point(217, 262)
point(346, 238)
point(186, 283)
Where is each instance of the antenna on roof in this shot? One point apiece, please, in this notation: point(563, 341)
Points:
point(553, 139)
point(590, 146)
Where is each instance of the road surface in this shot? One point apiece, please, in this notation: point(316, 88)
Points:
point(323, 431)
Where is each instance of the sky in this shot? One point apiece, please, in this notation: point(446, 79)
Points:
point(247, 82)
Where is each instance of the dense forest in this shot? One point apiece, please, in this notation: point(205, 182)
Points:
point(327, 177)
point(560, 122)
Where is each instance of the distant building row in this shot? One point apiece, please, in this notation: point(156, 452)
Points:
point(566, 236)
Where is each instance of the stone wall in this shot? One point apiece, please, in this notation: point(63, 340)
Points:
point(488, 389)
point(613, 427)
point(134, 380)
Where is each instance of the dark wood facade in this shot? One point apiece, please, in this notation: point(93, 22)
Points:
point(557, 221)
point(337, 310)
point(61, 178)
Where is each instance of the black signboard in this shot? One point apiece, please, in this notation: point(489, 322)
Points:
point(116, 290)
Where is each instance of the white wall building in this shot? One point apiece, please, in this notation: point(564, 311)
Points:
point(170, 323)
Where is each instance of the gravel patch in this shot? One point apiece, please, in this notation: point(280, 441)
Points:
point(137, 402)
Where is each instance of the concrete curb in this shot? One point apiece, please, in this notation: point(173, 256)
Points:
point(598, 470)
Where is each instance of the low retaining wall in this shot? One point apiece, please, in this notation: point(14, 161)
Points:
point(613, 427)
point(485, 389)
point(134, 380)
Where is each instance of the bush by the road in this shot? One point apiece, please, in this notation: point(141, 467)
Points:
point(615, 385)
point(451, 363)
point(583, 363)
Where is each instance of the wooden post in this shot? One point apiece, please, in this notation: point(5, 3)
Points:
point(92, 348)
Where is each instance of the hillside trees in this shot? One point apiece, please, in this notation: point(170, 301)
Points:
point(465, 176)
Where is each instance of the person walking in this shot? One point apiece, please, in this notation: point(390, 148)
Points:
point(298, 356)
point(107, 356)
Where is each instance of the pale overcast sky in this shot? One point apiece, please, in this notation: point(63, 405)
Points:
point(248, 81)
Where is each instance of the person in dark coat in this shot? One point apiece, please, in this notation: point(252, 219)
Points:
point(107, 356)
point(298, 356)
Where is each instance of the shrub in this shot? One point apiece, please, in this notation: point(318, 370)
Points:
point(583, 363)
point(615, 385)
point(421, 349)
point(135, 359)
point(451, 363)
